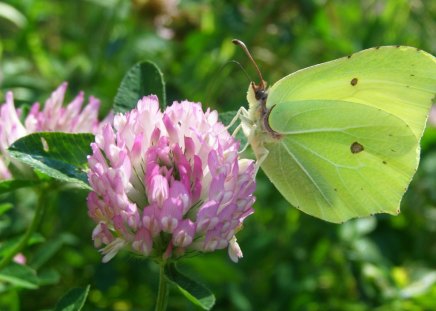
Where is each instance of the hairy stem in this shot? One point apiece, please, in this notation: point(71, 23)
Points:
point(162, 295)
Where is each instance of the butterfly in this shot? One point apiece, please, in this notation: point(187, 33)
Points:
point(341, 139)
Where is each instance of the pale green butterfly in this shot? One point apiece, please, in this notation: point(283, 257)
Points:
point(341, 139)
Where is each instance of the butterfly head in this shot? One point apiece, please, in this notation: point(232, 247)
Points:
point(256, 97)
point(258, 112)
point(260, 91)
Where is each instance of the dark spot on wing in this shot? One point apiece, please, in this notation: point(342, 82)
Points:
point(353, 81)
point(356, 147)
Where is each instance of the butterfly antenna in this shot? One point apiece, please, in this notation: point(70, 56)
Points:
point(242, 68)
point(244, 47)
point(212, 85)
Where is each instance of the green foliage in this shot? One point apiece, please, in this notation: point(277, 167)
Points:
point(12, 184)
point(291, 261)
point(74, 300)
point(20, 276)
point(195, 292)
point(61, 156)
point(142, 79)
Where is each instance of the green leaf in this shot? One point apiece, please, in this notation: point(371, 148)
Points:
point(428, 140)
point(10, 13)
point(7, 245)
point(19, 276)
point(195, 292)
point(48, 277)
point(74, 300)
point(421, 283)
point(13, 184)
point(4, 207)
point(47, 250)
point(10, 300)
point(226, 118)
point(143, 79)
point(62, 156)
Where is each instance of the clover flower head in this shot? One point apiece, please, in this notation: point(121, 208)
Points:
point(166, 184)
point(52, 117)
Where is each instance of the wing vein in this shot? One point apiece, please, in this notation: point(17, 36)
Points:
point(324, 158)
point(308, 175)
point(281, 164)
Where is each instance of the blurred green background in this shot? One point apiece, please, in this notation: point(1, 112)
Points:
point(291, 261)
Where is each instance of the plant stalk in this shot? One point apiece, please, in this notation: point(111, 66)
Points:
point(162, 294)
point(32, 227)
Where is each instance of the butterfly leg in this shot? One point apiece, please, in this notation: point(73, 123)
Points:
point(235, 132)
point(241, 111)
point(244, 148)
point(242, 115)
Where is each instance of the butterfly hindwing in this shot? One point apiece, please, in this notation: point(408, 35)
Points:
point(336, 161)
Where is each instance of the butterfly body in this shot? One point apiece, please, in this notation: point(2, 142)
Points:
point(341, 139)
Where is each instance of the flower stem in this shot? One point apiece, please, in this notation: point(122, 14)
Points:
point(33, 225)
point(162, 294)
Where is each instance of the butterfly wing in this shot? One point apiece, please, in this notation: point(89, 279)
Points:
point(399, 80)
point(350, 131)
point(336, 161)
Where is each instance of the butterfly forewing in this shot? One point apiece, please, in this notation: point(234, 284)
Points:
point(398, 80)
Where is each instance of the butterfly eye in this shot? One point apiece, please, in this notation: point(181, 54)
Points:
point(260, 94)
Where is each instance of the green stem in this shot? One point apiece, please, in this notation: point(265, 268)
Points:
point(162, 294)
point(25, 238)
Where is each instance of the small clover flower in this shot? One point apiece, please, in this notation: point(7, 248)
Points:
point(168, 183)
point(52, 117)
point(20, 259)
